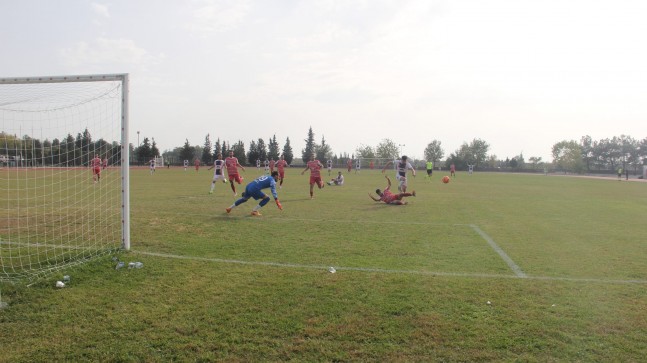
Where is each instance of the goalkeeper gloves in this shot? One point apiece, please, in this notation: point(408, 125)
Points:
point(278, 204)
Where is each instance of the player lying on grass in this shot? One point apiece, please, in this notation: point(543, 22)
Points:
point(388, 197)
point(339, 180)
point(255, 190)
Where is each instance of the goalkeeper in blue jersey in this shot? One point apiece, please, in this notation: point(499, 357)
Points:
point(255, 190)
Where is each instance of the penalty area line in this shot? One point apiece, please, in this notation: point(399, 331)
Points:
point(516, 269)
point(389, 271)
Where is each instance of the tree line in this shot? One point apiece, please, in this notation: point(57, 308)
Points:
point(587, 155)
point(68, 151)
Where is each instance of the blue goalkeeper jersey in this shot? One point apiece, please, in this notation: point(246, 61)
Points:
point(260, 183)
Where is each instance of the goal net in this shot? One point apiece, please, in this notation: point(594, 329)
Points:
point(63, 172)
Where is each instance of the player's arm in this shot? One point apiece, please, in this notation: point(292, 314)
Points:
point(372, 197)
point(304, 170)
point(413, 170)
point(275, 195)
point(240, 166)
point(388, 181)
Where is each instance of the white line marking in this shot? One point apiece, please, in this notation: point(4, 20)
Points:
point(516, 269)
point(380, 270)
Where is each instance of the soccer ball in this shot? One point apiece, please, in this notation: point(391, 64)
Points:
point(445, 179)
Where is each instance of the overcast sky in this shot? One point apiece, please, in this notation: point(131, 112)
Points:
point(519, 74)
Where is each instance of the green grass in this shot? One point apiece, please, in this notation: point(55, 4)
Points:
point(412, 282)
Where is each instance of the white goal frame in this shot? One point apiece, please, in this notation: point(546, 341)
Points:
point(125, 157)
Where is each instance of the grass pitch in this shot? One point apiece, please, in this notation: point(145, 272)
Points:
point(561, 261)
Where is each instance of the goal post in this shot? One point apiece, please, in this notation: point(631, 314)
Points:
point(64, 172)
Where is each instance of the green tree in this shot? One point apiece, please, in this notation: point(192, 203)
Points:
point(434, 151)
point(535, 161)
point(365, 152)
point(323, 151)
point(187, 152)
point(311, 146)
point(273, 149)
point(262, 150)
point(478, 149)
point(239, 152)
point(387, 149)
point(144, 151)
point(567, 155)
point(206, 151)
point(155, 152)
point(587, 146)
point(217, 150)
point(287, 151)
point(253, 154)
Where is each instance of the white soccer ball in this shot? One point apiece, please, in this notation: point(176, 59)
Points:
point(60, 284)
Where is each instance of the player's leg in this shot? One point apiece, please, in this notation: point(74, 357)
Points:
point(244, 198)
point(264, 200)
point(213, 184)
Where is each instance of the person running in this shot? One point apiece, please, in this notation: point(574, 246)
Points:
point(186, 164)
point(232, 164)
point(272, 165)
point(196, 162)
point(280, 166)
point(430, 168)
point(95, 164)
point(388, 197)
point(152, 166)
point(105, 163)
point(349, 164)
point(255, 190)
point(339, 180)
point(219, 171)
point(401, 168)
point(266, 163)
point(315, 167)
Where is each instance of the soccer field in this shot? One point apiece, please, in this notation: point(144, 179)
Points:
point(490, 266)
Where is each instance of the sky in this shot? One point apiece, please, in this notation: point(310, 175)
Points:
point(521, 75)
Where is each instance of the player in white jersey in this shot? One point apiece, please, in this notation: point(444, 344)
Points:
point(186, 164)
point(152, 165)
point(219, 172)
point(329, 163)
point(401, 168)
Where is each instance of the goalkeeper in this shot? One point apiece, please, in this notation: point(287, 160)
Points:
point(255, 190)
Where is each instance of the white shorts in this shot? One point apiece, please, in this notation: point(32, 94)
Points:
point(219, 176)
point(402, 181)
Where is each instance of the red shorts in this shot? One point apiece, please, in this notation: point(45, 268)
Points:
point(96, 171)
point(316, 179)
point(281, 174)
point(236, 178)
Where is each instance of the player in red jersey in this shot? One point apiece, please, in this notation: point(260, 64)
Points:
point(272, 164)
point(232, 164)
point(280, 165)
point(96, 168)
point(315, 167)
point(105, 163)
point(196, 162)
point(452, 170)
point(388, 197)
point(349, 164)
